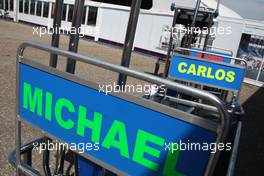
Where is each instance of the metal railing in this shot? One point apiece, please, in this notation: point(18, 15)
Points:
point(222, 129)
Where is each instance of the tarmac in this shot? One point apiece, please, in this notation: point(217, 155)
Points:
point(251, 149)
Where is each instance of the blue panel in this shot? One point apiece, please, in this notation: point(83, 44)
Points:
point(133, 116)
point(211, 57)
point(216, 75)
point(88, 168)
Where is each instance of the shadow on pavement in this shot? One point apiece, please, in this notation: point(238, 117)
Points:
point(250, 159)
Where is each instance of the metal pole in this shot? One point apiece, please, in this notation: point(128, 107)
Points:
point(56, 33)
point(233, 158)
point(129, 40)
point(218, 5)
point(193, 22)
point(16, 10)
point(170, 48)
point(17, 118)
point(196, 13)
point(207, 37)
point(18, 146)
point(74, 38)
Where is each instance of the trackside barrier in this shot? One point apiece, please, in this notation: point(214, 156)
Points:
point(62, 105)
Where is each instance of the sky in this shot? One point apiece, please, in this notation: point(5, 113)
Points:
point(250, 9)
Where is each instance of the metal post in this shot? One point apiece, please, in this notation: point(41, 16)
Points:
point(233, 158)
point(170, 48)
point(18, 122)
point(208, 35)
point(129, 40)
point(56, 31)
point(217, 6)
point(18, 146)
point(74, 38)
point(193, 22)
point(16, 10)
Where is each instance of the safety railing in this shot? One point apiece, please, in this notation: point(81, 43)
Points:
point(222, 128)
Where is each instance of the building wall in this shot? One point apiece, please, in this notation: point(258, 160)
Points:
point(231, 41)
point(113, 24)
point(150, 29)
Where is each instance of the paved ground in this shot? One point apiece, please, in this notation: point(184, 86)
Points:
point(251, 152)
